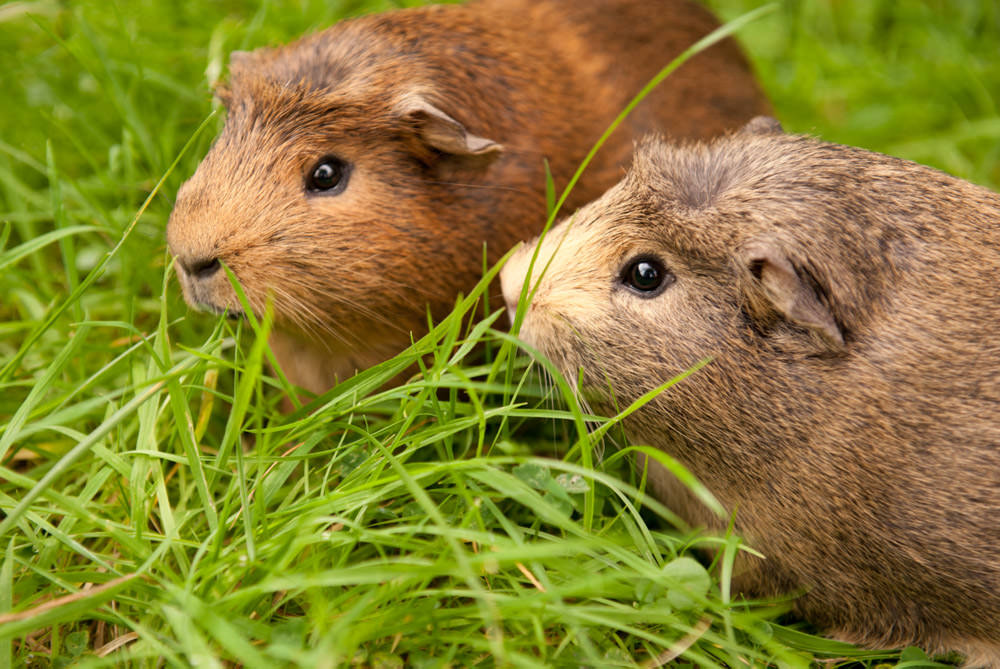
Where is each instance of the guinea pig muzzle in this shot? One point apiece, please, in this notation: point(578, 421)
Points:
point(200, 283)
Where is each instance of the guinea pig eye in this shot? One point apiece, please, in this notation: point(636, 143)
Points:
point(329, 175)
point(647, 276)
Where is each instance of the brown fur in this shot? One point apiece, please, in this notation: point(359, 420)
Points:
point(353, 274)
point(850, 414)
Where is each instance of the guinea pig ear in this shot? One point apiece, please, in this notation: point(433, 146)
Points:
point(223, 93)
point(239, 61)
point(788, 293)
point(441, 132)
point(762, 125)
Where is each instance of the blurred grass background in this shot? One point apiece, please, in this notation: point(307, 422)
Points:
point(345, 553)
point(915, 79)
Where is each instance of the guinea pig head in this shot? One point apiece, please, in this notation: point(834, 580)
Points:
point(323, 194)
point(688, 259)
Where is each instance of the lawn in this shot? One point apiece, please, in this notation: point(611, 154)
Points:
point(159, 508)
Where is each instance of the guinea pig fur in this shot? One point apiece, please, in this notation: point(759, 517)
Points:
point(362, 169)
point(850, 412)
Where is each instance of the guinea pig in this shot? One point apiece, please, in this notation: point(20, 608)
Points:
point(361, 170)
point(849, 414)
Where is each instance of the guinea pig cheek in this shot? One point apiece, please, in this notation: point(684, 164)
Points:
point(660, 325)
point(353, 221)
point(562, 319)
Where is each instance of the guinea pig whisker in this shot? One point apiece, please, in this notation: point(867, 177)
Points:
point(510, 189)
point(574, 381)
point(317, 325)
point(306, 317)
point(321, 318)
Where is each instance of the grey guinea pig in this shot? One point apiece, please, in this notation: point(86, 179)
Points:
point(362, 169)
point(850, 414)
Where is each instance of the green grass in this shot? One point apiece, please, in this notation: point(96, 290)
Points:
point(158, 507)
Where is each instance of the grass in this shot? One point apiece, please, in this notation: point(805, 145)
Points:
point(159, 508)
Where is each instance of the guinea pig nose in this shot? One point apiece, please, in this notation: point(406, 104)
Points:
point(200, 268)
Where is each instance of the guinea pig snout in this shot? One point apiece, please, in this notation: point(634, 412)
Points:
point(203, 282)
point(199, 268)
point(198, 260)
point(512, 279)
point(515, 273)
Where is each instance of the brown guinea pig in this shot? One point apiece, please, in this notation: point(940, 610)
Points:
point(850, 412)
point(362, 169)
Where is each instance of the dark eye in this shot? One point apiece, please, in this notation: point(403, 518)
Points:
point(329, 175)
point(647, 276)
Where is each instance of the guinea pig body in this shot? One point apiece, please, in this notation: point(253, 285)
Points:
point(850, 412)
point(362, 169)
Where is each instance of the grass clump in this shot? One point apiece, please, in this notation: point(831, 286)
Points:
point(157, 506)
